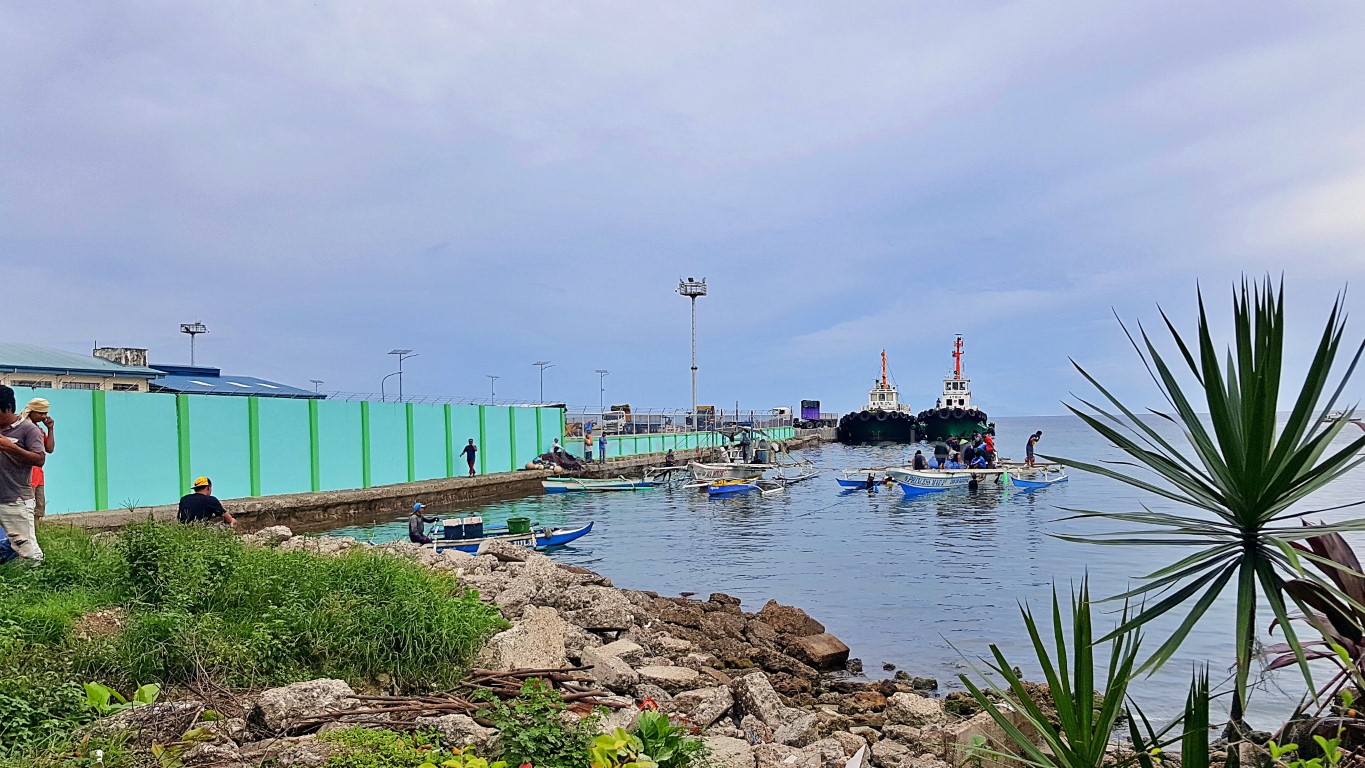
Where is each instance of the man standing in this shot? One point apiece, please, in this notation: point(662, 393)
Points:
point(201, 506)
point(602, 448)
point(940, 453)
point(1028, 450)
point(37, 412)
point(469, 452)
point(21, 449)
point(587, 447)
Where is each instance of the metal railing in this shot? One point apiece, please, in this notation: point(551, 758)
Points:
point(656, 421)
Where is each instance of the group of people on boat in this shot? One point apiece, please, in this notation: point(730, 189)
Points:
point(975, 452)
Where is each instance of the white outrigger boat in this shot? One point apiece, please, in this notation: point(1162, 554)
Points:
point(857, 478)
point(918, 481)
point(1032, 479)
point(584, 484)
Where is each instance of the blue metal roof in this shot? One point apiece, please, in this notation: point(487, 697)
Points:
point(26, 358)
point(230, 385)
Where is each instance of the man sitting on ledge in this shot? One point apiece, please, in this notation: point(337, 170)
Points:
point(202, 506)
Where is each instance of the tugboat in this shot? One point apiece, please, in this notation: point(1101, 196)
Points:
point(883, 419)
point(954, 415)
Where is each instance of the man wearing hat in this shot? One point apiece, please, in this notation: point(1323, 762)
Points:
point(21, 449)
point(202, 506)
point(37, 412)
point(416, 530)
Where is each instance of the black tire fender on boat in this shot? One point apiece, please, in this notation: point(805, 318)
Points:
point(958, 413)
point(881, 416)
point(864, 416)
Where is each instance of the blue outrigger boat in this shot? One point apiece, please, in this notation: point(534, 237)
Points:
point(1041, 478)
point(539, 539)
point(733, 487)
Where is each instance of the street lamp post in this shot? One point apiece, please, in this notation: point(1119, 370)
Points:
point(316, 383)
point(542, 365)
point(492, 398)
point(401, 353)
point(693, 289)
point(383, 398)
point(602, 374)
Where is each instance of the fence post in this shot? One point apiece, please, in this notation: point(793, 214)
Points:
point(412, 444)
point(314, 450)
point(512, 436)
point(253, 441)
point(365, 443)
point(100, 439)
point(483, 442)
point(182, 427)
point(450, 440)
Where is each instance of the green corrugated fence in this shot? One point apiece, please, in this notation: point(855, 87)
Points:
point(121, 449)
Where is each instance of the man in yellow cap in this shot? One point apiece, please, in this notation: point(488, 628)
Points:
point(202, 506)
point(38, 412)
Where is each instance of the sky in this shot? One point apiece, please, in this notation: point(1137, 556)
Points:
point(492, 184)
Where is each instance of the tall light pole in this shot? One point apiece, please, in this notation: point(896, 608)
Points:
point(316, 383)
point(402, 353)
point(602, 374)
point(193, 329)
point(542, 365)
point(693, 289)
point(491, 380)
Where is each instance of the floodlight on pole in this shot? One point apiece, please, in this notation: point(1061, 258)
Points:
point(542, 365)
point(693, 289)
point(492, 397)
point(193, 329)
point(401, 353)
point(316, 383)
point(602, 374)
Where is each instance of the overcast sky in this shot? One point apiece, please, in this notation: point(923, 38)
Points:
point(492, 184)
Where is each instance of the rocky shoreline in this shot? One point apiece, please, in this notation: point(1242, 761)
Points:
point(766, 689)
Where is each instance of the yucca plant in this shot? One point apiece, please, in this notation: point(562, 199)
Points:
point(1242, 474)
point(1149, 744)
point(1086, 714)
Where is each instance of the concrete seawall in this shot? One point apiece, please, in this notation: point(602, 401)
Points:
point(328, 509)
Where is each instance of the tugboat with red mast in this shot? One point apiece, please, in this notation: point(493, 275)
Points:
point(883, 420)
point(954, 415)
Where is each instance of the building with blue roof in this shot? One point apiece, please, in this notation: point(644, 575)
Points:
point(203, 380)
point(110, 369)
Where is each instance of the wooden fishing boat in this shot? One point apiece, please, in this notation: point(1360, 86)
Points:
point(1040, 478)
point(539, 539)
point(666, 475)
point(919, 481)
point(735, 487)
point(583, 484)
point(705, 473)
point(857, 478)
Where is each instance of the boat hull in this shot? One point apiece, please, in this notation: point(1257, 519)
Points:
point(538, 539)
point(577, 485)
point(876, 427)
point(710, 472)
point(915, 482)
point(943, 423)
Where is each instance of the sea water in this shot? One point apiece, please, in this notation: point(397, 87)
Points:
point(921, 583)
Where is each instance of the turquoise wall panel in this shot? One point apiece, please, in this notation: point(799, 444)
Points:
point(498, 439)
point(388, 443)
point(68, 472)
point(527, 447)
point(339, 459)
point(143, 453)
point(429, 440)
point(219, 444)
point(286, 452)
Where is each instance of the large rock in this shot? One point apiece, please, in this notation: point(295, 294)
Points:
point(703, 706)
point(913, 709)
point(783, 756)
point(461, 730)
point(270, 536)
point(890, 754)
point(755, 696)
point(626, 650)
point(822, 651)
point(958, 738)
point(537, 642)
point(280, 710)
point(295, 752)
point(610, 671)
point(862, 702)
point(849, 741)
point(789, 620)
point(507, 553)
point(598, 608)
point(213, 756)
point(829, 751)
point(160, 723)
point(801, 731)
point(727, 752)
point(671, 679)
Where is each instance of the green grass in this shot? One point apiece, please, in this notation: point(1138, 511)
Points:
point(198, 600)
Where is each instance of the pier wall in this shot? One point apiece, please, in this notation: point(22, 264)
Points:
point(135, 449)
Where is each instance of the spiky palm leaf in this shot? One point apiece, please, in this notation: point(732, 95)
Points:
point(1244, 475)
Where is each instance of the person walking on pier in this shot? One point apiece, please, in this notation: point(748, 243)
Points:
point(201, 506)
point(1028, 450)
point(417, 533)
point(602, 448)
point(37, 412)
point(21, 449)
point(469, 452)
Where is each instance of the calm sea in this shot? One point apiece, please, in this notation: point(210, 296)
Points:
point(913, 582)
